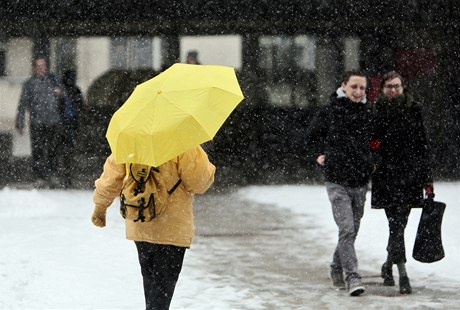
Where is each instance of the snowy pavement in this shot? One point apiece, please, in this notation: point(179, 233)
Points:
point(258, 247)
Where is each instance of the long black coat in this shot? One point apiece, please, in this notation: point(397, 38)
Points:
point(342, 131)
point(403, 163)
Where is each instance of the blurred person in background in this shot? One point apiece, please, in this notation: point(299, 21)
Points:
point(41, 96)
point(192, 58)
point(162, 241)
point(71, 107)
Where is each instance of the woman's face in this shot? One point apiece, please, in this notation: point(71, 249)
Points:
point(393, 88)
point(355, 88)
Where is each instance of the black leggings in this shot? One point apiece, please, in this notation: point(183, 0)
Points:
point(397, 222)
point(160, 267)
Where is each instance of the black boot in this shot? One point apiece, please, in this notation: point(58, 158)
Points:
point(387, 274)
point(404, 285)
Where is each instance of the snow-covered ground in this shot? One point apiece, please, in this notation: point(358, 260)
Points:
point(371, 242)
point(52, 257)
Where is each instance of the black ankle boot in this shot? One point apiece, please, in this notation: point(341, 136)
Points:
point(387, 274)
point(404, 285)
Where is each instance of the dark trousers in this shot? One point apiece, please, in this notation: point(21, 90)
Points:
point(44, 143)
point(160, 267)
point(68, 139)
point(397, 222)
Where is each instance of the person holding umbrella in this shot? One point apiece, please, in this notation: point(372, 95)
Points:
point(158, 165)
point(402, 168)
point(338, 140)
point(161, 242)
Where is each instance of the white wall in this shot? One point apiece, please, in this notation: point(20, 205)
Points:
point(18, 68)
point(93, 59)
point(19, 58)
point(214, 50)
point(9, 99)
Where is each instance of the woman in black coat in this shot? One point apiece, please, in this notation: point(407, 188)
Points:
point(402, 168)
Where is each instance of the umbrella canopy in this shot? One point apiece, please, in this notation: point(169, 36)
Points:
point(180, 108)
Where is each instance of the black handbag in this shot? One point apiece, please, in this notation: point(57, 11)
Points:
point(428, 246)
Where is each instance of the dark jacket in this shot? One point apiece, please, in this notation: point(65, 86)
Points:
point(403, 167)
point(342, 131)
point(39, 99)
point(72, 104)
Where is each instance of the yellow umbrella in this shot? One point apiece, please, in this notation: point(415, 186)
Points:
point(180, 108)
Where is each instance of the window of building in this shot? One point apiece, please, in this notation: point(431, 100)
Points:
point(222, 50)
point(289, 63)
point(351, 48)
point(131, 52)
point(305, 52)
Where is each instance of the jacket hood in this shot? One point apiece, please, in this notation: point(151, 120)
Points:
point(341, 94)
point(339, 98)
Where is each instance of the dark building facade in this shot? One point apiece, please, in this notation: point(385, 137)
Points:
point(263, 138)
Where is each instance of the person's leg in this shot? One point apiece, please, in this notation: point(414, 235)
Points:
point(53, 144)
point(358, 195)
point(38, 153)
point(358, 199)
point(65, 154)
point(336, 262)
point(404, 283)
point(387, 273)
point(160, 268)
point(341, 203)
point(347, 208)
point(397, 222)
point(71, 138)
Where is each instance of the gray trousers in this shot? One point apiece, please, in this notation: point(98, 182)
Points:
point(348, 209)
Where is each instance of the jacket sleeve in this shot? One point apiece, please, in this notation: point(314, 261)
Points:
point(317, 134)
point(109, 184)
point(195, 170)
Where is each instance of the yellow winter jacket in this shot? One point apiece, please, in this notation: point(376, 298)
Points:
point(175, 226)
